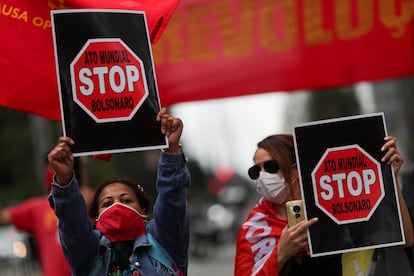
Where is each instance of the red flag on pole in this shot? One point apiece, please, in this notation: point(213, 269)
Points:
point(27, 65)
point(215, 49)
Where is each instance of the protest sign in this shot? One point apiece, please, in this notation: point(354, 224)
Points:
point(346, 185)
point(107, 86)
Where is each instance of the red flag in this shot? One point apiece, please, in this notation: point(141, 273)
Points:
point(215, 49)
point(27, 65)
point(104, 156)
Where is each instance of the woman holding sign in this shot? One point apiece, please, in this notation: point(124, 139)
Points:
point(124, 241)
point(266, 245)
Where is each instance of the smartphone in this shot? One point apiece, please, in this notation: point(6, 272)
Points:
point(294, 212)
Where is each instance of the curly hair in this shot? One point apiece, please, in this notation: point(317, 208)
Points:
point(143, 199)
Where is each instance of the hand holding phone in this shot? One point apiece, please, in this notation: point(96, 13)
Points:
point(294, 212)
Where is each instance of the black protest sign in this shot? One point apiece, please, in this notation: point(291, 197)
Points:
point(345, 184)
point(108, 92)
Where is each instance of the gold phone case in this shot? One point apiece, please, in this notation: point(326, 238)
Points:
point(294, 212)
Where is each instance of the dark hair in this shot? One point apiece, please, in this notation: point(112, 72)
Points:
point(281, 149)
point(143, 199)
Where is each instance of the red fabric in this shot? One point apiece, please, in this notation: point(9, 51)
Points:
point(37, 217)
point(215, 49)
point(121, 222)
point(28, 79)
point(256, 252)
point(49, 173)
point(105, 157)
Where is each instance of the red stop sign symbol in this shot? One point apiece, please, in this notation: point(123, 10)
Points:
point(108, 80)
point(347, 184)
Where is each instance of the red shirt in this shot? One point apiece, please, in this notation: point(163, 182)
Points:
point(38, 218)
point(257, 241)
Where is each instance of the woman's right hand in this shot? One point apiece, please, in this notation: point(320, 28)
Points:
point(62, 161)
point(293, 240)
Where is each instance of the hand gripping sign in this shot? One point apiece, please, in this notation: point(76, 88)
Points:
point(107, 86)
point(345, 185)
point(348, 184)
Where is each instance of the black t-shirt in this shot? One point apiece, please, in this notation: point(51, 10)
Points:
point(321, 266)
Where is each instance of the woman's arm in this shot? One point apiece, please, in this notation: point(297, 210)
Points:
point(5, 218)
point(393, 157)
point(75, 231)
point(170, 208)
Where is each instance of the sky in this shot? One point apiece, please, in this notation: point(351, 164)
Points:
point(225, 132)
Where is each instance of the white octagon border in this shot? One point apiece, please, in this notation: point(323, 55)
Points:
point(72, 77)
point(380, 179)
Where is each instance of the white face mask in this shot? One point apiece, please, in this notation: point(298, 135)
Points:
point(272, 186)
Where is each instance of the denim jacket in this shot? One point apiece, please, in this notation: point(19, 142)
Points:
point(89, 252)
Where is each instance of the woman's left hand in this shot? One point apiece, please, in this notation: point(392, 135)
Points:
point(171, 127)
point(392, 156)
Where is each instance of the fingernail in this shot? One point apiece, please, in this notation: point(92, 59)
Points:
point(382, 148)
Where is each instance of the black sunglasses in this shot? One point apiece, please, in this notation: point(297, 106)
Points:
point(270, 166)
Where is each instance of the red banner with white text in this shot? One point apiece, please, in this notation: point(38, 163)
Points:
point(215, 49)
point(222, 48)
point(28, 80)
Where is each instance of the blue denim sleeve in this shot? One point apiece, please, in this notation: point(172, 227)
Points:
point(170, 209)
point(79, 243)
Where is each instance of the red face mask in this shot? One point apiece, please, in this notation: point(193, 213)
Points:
point(120, 222)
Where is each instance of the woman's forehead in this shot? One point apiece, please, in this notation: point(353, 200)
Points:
point(116, 189)
point(261, 155)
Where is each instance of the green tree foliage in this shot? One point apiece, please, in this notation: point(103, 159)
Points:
point(332, 103)
point(17, 174)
